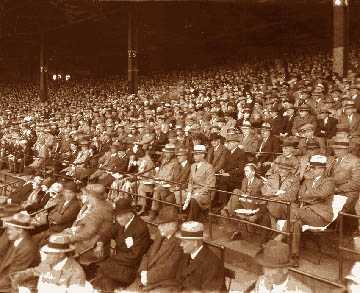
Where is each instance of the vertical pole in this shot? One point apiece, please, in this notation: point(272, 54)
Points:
point(43, 70)
point(340, 256)
point(132, 49)
point(340, 36)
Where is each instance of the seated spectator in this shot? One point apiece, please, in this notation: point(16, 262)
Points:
point(17, 250)
point(275, 260)
point(200, 270)
point(158, 268)
point(132, 240)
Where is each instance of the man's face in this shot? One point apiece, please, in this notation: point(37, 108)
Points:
point(53, 258)
point(198, 157)
point(13, 233)
point(124, 218)
point(182, 158)
point(317, 171)
point(68, 194)
point(303, 114)
point(249, 172)
point(340, 152)
point(189, 245)
point(167, 229)
point(215, 142)
point(275, 275)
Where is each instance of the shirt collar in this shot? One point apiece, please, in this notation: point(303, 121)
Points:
point(281, 287)
point(18, 241)
point(128, 223)
point(60, 265)
point(196, 252)
point(184, 163)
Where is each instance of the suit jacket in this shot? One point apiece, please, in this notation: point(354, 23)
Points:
point(41, 200)
point(234, 166)
point(293, 286)
point(169, 171)
point(249, 143)
point(22, 193)
point(290, 184)
point(288, 125)
point(252, 189)
point(354, 126)
point(50, 278)
point(62, 217)
point(346, 173)
point(268, 148)
point(162, 261)
point(201, 179)
point(125, 263)
point(16, 259)
point(318, 196)
point(217, 158)
point(184, 174)
point(91, 225)
point(205, 273)
point(327, 130)
point(277, 125)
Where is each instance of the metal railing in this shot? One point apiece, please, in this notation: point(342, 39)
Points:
point(341, 248)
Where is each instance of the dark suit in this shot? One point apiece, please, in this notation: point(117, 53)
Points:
point(315, 197)
point(288, 124)
point(217, 158)
point(205, 273)
point(161, 262)
point(328, 129)
point(14, 259)
point(266, 151)
point(22, 193)
point(121, 269)
point(62, 217)
point(277, 125)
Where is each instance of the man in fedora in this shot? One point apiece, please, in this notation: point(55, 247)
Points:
point(315, 202)
point(345, 170)
point(168, 172)
point(158, 268)
point(131, 240)
point(200, 270)
point(182, 155)
point(92, 225)
point(17, 250)
point(58, 270)
point(275, 260)
point(202, 179)
point(350, 118)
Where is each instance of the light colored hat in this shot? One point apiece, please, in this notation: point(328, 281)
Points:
point(192, 230)
point(340, 143)
point(354, 273)
point(20, 220)
point(318, 160)
point(58, 243)
point(199, 148)
point(275, 254)
point(169, 148)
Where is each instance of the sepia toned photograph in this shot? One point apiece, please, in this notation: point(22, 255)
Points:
point(179, 146)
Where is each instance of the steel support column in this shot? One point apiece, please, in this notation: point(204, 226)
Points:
point(132, 49)
point(43, 70)
point(340, 36)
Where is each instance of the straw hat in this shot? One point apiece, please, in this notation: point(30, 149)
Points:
point(58, 243)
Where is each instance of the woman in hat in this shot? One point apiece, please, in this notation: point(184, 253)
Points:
point(58, 271)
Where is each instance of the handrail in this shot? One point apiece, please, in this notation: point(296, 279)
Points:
point(341, 248)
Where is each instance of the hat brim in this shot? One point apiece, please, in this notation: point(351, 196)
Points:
point(11, 224)
point(178, 235)
point(261, 261)
point(47, 249)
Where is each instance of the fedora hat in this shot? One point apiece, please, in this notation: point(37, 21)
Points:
point(169, 148)
point(122, 206)
point(275, 254)
point(167, 215)
point(58, 243)
point(191, 230)
point(20, 220)
point(199, 149)
point(96, 190)
point(318, 160)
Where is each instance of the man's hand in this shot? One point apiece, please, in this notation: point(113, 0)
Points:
point(144, 278)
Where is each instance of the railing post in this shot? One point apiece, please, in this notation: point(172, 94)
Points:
point(340, 256)
point(210, 218)
point(289, 228)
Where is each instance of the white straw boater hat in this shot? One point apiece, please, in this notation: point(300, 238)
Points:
point(318, 160)
point(191, 230)
point(58, 243)
point(20, 220)
point(199, 149)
